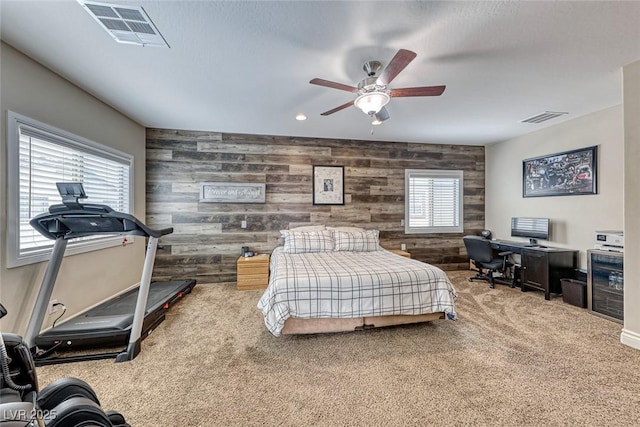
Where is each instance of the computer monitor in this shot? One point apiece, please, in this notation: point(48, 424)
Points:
point(533, 228)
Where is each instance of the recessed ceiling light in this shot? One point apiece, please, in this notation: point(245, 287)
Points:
point(301, 117)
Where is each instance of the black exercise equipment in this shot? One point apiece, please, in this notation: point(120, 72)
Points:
point(63, 403)
point(124, 320)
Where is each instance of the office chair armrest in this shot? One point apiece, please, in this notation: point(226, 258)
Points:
point(506, 253)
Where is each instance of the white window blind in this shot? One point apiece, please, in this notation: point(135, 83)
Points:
point(433, 200)
point(43, 156)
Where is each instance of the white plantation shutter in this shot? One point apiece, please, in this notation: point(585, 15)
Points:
point(433, 200)
point(40, 156)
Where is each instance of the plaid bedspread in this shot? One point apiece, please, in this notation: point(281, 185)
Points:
point(352, 284)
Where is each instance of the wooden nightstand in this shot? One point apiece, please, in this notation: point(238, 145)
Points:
point(253, 272)
point(400, 252)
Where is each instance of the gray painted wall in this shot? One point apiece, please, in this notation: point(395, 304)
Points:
point(573, 218)
point(86, 279)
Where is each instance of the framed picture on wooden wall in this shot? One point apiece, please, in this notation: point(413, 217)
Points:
point(232, 192)
point(562, 174)
point(328, 185)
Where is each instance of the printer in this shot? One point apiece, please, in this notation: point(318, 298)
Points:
point(610, 241)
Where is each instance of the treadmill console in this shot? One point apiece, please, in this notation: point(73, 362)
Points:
point(71, 192)
point(73, 219)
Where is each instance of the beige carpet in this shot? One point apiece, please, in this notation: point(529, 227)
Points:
point(511, 359)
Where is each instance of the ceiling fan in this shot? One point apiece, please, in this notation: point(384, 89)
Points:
point(373, 93)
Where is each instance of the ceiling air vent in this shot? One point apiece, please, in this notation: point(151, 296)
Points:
point(543, 117)
point(126, 24)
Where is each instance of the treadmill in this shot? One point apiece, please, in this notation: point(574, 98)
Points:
point(126, 319)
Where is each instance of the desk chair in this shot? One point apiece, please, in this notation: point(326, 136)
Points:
point(481, 254)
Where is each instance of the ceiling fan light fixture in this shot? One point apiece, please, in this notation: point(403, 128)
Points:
point(372, 102)
point(380, 117)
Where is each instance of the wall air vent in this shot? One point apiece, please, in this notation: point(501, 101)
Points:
point(543, 117)
point(126, 24)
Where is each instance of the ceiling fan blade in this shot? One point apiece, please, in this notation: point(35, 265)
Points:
point(402, 58)
point(417, 91)
point(335, 110)
point(334, 85)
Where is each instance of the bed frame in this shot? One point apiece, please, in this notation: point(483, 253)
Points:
point(294, 325)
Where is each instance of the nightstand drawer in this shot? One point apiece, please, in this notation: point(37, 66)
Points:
point(253, 281)
point(253, 272)
point(262, 268)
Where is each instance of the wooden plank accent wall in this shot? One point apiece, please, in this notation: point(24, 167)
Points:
point(208, 237)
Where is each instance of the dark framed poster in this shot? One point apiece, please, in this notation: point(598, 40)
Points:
point(569, 173)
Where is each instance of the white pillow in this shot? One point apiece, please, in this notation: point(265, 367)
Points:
point(297, 242)
point(356, 241)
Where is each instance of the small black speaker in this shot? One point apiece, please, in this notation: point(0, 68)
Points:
point(486, 234)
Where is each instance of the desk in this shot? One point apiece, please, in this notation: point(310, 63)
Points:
point(542, 267)
point(515, 247)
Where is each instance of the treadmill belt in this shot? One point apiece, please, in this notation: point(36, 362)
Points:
point(110, 322)
point(126, 303)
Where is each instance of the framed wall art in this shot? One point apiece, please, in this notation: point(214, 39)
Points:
point(328, 185)
point(231, 192)
point(563, 174)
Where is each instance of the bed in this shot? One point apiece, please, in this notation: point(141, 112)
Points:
point(336, 280)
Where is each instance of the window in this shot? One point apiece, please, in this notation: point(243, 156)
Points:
point(39, 156)
point(433, 201)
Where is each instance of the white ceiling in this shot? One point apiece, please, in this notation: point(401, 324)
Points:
point(245, 66)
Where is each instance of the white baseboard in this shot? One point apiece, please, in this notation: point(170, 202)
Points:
point(632, 339)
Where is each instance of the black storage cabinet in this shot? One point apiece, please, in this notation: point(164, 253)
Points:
point(542, 268)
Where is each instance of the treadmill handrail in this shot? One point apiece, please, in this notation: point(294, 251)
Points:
point(96, 220)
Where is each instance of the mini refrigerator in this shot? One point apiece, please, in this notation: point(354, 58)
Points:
point(605, 284)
